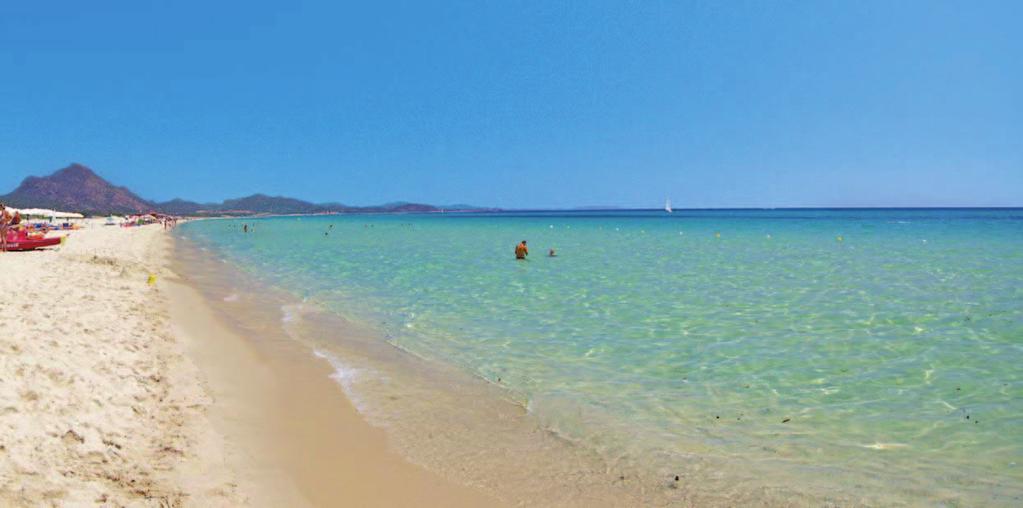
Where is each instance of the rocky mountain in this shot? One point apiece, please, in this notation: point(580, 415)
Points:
point(77, 188)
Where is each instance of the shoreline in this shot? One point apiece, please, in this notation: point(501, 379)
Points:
point(122, 389)
point(517, 452)
point(207, 388)
point(290, 426)
point(455, 424)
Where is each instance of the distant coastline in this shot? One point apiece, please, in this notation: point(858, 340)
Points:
point(78, 188)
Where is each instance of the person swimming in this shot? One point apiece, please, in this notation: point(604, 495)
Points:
point(552, 254)
point(521, 251)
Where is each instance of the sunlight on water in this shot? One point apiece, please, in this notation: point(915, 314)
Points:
point(884, 344)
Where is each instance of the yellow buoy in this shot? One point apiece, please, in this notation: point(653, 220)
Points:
point(717, 235)
point(839, 238)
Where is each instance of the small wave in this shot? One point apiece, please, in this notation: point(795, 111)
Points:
point(884, 446)
point(233, 297)
point(344, 376)
point(289, 312)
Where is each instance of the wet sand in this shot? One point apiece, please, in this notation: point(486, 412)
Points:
point(291, 432)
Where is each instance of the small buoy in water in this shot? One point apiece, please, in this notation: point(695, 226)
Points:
point(768, 236)
point(839, 238)
point(717, 235)
point(151, 280)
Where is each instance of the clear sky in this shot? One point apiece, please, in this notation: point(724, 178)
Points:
point(523, 104)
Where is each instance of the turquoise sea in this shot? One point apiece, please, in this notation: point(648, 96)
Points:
point(863, 356)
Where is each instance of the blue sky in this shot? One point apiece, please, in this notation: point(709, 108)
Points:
point(531, 104)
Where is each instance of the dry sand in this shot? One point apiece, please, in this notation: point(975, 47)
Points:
point(118, 392)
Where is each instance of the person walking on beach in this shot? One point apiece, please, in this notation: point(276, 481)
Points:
point(4, 221)
point(521, 251)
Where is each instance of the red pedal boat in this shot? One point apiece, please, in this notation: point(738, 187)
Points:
point(22, 241)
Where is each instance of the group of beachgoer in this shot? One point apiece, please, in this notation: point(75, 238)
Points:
point(522, 250)
point(8, 222)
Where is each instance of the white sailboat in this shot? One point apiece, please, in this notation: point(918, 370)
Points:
point(667, 205)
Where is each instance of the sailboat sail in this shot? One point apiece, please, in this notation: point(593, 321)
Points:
point(667, 205)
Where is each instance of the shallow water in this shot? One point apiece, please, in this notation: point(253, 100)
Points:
point(866, 356)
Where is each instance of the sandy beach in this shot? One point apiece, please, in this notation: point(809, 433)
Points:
point(120, 387)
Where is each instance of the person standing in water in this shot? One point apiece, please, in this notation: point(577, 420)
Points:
point(245, 228)
point(521, 251)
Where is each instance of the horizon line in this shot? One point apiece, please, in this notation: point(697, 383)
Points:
point(727, 208)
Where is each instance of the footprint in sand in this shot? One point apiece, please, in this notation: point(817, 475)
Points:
point(72, 438)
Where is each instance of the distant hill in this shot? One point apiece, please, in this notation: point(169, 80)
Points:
point(417, 207)
point(182, 207)
point(261, 203)
point(397, 207)
point(257, 204)
point(77, 188)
